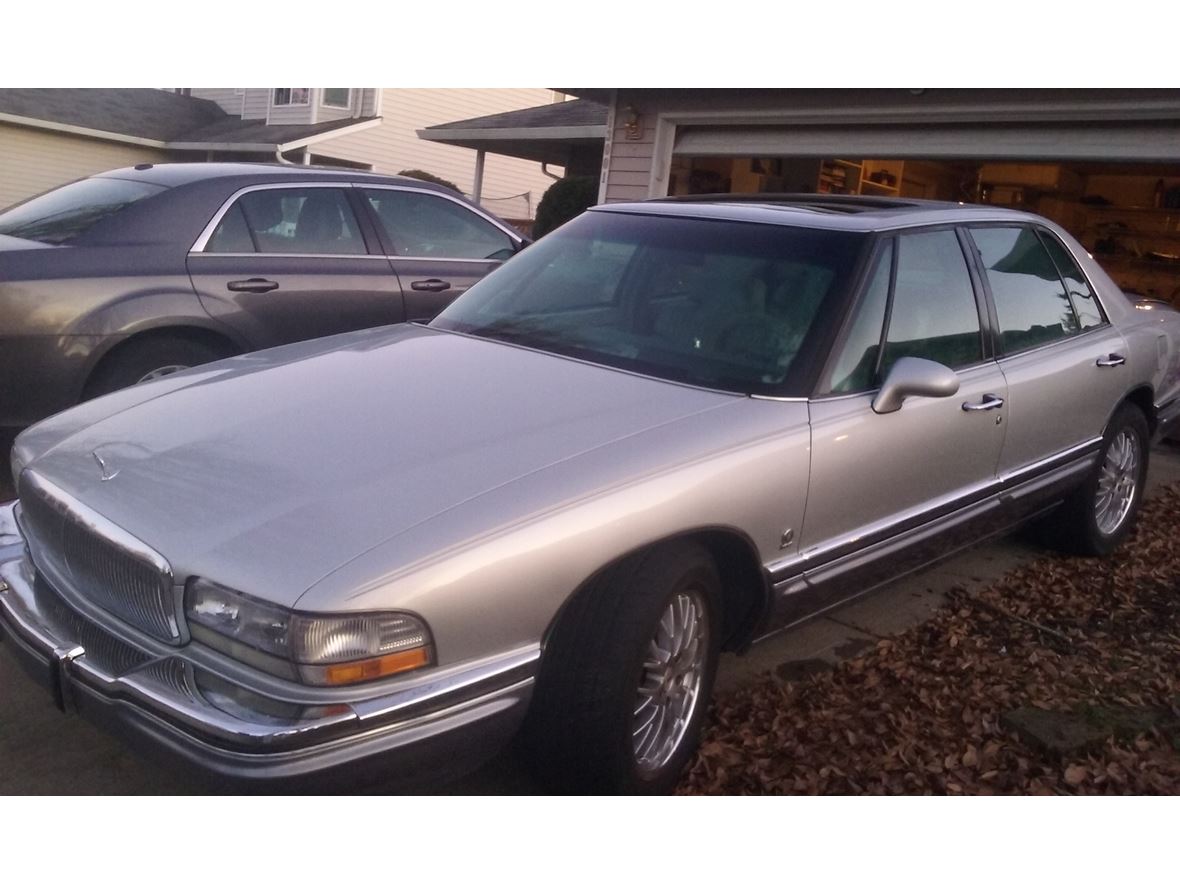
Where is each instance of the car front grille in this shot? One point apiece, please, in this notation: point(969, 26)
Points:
point(82, 555)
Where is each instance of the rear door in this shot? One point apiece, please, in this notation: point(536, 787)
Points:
point(438, 245)
point(1062, 360)
point(284, 263)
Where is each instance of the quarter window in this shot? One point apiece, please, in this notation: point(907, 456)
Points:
point(1081, 296)
point(307, 221)
point(933, 314)
point(1031, 301)
point(423, 225)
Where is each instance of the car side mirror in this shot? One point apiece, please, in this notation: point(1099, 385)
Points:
point(911, 376)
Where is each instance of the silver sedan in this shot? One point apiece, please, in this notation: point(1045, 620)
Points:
point(665, 431)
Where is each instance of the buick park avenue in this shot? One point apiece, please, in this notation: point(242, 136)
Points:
point(661, 433)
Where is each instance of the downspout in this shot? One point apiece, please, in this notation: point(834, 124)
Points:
point(280, 158)
point(545, 171)
point(477, 187)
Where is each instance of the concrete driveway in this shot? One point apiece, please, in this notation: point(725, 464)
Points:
point(47, 752)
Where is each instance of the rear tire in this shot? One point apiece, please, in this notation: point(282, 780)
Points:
point(627, 674)
point(1096, 518)
point(141, 361)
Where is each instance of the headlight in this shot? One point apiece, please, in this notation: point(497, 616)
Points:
point(315, 649)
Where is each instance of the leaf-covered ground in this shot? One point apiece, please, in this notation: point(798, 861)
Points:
point(922, 712)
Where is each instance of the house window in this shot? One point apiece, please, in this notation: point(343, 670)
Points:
point(290, 96)
point(336, 98)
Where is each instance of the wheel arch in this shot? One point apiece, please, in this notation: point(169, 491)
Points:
point(746, 590)
point(1144, 399)
point(194, 332)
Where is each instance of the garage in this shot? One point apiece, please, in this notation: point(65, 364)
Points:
point(1126, 211)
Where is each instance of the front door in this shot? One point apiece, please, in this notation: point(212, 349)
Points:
point(289, 263)
point(875, 477)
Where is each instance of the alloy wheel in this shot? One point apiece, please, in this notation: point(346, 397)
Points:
point(1117, 482)
point(670, 685)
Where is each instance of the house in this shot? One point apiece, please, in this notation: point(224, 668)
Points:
point(1104, 163)
point(50, 136)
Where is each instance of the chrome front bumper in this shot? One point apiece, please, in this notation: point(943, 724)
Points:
point(429, 727)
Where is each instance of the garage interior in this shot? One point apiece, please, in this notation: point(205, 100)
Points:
point(1126, 214)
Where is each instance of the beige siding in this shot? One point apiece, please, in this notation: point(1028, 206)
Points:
point(394, 145)
point(255, 103)
point(229, 100)
point(34, 160)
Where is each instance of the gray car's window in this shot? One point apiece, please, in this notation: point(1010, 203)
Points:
point(422, 225)
point(71, 210)
point(933, 314)
point(1085, 305)
point(303, 221)
point(1031, 302)
point(713, 303)
point(855, 369)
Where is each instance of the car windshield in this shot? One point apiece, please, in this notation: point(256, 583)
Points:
point(719, 304)
point(71, 210)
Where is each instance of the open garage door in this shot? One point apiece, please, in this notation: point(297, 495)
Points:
point(1116, 188)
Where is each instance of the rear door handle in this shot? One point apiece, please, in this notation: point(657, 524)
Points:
point(1114, 359)
point(989, 401)
point(254, 284)
point(430, 285)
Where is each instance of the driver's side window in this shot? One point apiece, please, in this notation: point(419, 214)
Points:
point(927, 304)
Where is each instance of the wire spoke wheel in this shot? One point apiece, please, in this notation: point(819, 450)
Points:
point(671, 681)
point(1118, 482)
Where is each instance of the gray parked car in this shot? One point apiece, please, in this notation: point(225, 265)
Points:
point(664, 431)
point(133, 274)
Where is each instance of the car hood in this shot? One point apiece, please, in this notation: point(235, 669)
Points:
point(269, 471)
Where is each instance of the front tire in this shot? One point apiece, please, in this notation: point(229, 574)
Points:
point(627, 675)
point(1100, 514)
point(140, 361)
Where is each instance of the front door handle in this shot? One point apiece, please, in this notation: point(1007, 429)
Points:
point(254, 284)
point(430, 285)
point(989, 401)
point(1114, 359)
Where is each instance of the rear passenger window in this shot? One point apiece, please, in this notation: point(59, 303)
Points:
point(1081, 296)
point(933, 314)
point(302, 221)
point(1031, 301)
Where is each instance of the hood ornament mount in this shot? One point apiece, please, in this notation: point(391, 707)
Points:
point(107, 474)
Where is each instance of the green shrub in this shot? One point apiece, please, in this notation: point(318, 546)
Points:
point(434, 179)
point(564, 200)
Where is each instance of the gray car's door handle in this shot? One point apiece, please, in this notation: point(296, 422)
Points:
point(989, 401)
point(1114, 359)
point(254, 284)
point(430, 285)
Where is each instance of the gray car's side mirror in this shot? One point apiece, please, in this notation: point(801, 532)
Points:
point(911, 376)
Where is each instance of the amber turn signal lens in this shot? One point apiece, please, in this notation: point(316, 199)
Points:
point(375, 668)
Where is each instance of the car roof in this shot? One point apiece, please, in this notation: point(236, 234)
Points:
point(825, 211)
point(179, 174)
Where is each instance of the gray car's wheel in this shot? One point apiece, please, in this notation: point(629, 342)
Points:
point(627, 674)
point(141, 361)
point(1102, 511)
